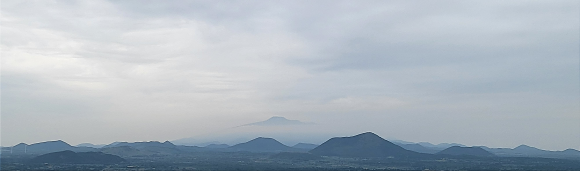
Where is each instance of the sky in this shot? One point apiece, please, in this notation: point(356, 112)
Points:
point(494, 73)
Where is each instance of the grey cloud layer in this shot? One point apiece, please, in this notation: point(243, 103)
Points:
point(494, 68)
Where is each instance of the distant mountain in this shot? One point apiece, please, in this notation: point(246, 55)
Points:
point(18, 148)
point(571, 151)
point(278, 121)
point(466, 151)
point(285, 130)
point(217, 146)
point(440, 146)
point(70, 157)
point(45, 147)
point(141, 145)
point(141, 148)
point(262, 144)
point(49, 146)
point(418, 148)
point(90, 145)
point(305, 146)
point(524, 149)
point(424, 147)
point(528, 151)
point(396, 141)
point(362, 145)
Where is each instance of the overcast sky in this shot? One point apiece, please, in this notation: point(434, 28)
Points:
point(494, 73)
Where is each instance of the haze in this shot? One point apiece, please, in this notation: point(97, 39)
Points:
point(494, 73)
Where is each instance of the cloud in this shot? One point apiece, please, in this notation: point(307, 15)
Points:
point(177, 69)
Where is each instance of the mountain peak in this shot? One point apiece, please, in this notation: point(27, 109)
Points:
point(52, 143)
point(20, 144)
point(369, 137)
point(368, 134)
point(264, 139)
point(523, 146)
point(277, 121)
point(367, 144)
point(262, 144)
point(277, 118)
point(55, 141)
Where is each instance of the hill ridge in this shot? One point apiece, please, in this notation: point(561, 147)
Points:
point(366, 144)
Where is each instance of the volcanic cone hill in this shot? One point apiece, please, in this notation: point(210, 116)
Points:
point(363, 145)
point(262, 144)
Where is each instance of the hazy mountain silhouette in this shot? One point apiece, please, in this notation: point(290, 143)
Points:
point(70, 157)
point(528, 151)
point(418, 148)
point(141, 145)
point(272, 145)
point(466, 151)
point(277, 121)
point(307, 146)
point(525, 149)
point(282, 129)
point(141, 148)
point(424, 147)
point(46, 147)
point(49, 146)
point(262, 144)
point(396, 141)
point(440, 146)
point(363, 145)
